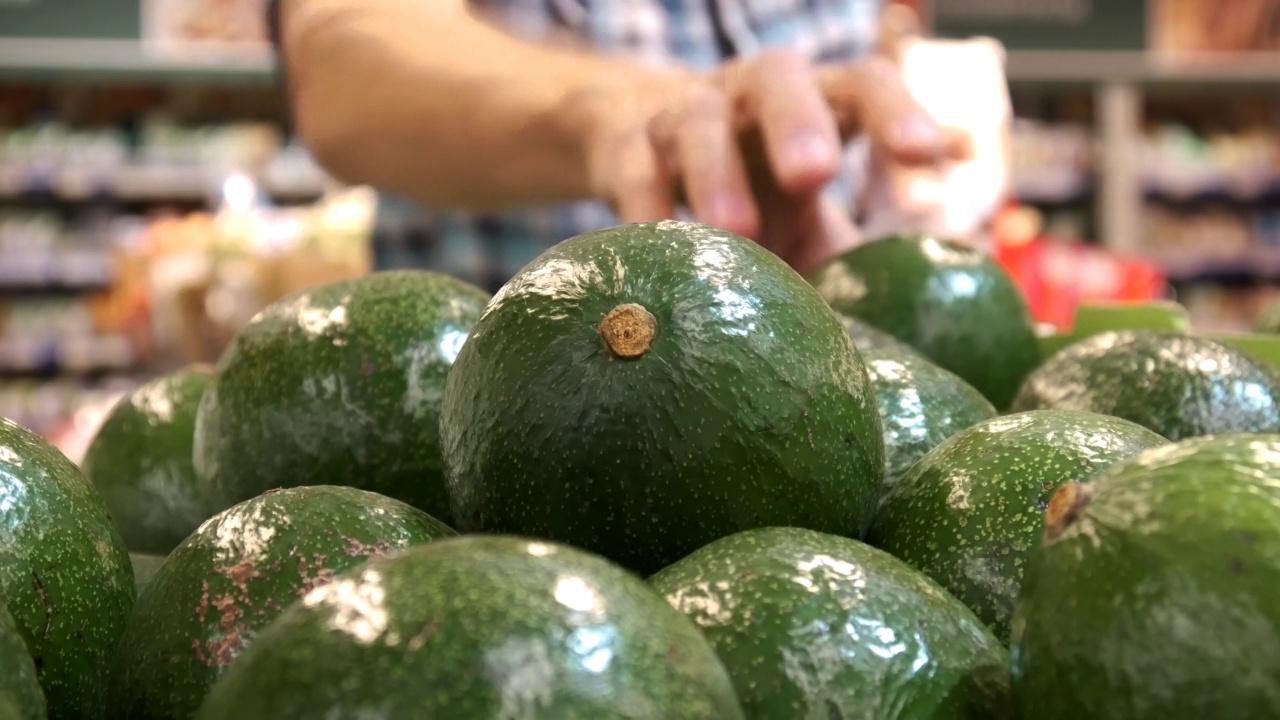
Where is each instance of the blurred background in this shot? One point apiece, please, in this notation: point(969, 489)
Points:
point(152, 197)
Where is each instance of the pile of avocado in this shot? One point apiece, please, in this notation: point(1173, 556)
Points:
point(659, 476)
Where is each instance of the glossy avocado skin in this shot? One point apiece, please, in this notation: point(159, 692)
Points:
point(971, 511)
point(476, 628)
point(140, 462)
point(1178, 385)
point(18, 683)
point(1159, 601)
point(144, 569)
point(236, 574)
point(946, 299)
point(750, 407)
point(814, 626)
point(338, 385)
point(64, 572)
point(868, 337)
point(920, 406)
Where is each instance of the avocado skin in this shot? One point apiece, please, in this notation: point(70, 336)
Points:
point(19, 687)
point(750, 408)
point(475, 628)
point(236, 574)
point(970, 512)
point(64, 572)
point(920, 405)
point(140, 462)
point(337, 385)
point(144, 569)
point(814, 626)
point(946, 299)
point(867, 337)
point(1160, 600)
point(1178, 385)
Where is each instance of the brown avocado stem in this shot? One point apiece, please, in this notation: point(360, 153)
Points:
point(1065, 508)
point(628, 330)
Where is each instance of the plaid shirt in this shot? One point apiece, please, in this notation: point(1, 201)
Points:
point(488, 249)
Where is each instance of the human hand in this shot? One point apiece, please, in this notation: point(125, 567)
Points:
point(750, 146)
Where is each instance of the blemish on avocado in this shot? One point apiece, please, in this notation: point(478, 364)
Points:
point(203, 608)
point(425, 634)
point(44, 600)
point(356, 548)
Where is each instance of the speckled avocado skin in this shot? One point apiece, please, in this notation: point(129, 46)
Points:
point(814, 626)
point(920, 406)
point(1178, 385)
point(18, 683)
point(477, 628)
point(751, 406)
point(946, 299)
point(140, 461)
point(867, 337)
point(64, 572)
point(338, 385)
point(1160, 600)
point(144, 569)
point(236, 574)
point(970, 512)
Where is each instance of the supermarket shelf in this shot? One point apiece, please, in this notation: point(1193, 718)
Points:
point(60, 59)
point(1251, 264)
point(1090, 67)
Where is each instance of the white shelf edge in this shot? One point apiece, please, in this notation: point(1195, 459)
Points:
point(122, 56)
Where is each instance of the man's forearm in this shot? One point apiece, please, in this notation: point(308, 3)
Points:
point(421, 98)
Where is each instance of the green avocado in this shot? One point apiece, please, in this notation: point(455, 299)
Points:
point(64, 572)
point(144, 569)
point(338, 385)
point(236, 574)
point(1153, 594)
point(866, 337)
point(643, 390)
point(813, 626)
point(946, 299)
point(477, 628)
point(1175, 384)
point(920, 406)
point(140, 461)
point(18, 683)
point(970, 512)
point(9, 709)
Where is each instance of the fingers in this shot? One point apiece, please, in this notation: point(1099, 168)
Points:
point(871, 96)
point(640, 184)
point(703, 146)
point(779, 93)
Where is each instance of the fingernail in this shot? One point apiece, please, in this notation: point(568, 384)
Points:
point(917, 131)
point(809, 150)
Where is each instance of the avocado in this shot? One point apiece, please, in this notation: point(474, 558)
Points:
point(643, 390)
point(813, 626)
point(1153, 592)
point(969, 513)
point(18, 683)
point(236, 574)
point(1176, 384)
point(1268, 321)
point(920, 406)
point(865, 337)
point(944, 298)
point(144, 569)
point(9, 709)
point(140, 461)
point(64, 572)
point(338, 385)
point(476, 628)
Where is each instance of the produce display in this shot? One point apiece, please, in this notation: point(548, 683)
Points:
point(662, 476)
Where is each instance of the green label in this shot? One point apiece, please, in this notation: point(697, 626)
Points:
point(1046, 24)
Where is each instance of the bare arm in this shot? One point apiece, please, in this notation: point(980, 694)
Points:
point(425, 99)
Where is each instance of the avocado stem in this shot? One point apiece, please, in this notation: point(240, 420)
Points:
point(1065, 508)
point(628, 330)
